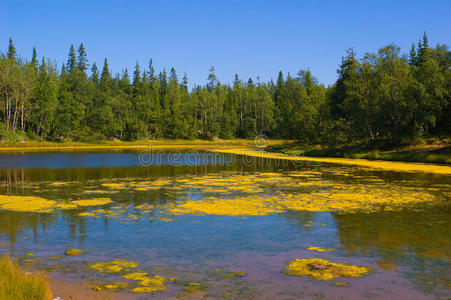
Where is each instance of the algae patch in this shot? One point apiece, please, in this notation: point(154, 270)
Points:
point(73, 252)
point(93, 202)
point(322, 269)
point(319, 249)
point(115, 266)
point(26, 203)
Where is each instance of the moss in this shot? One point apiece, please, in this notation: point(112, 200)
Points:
point(73, 252)
point(322, 269)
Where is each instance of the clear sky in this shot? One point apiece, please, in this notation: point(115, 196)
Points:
point(251, 38)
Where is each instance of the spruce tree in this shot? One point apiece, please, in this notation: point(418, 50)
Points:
point(34, 57)
point(82, 62)
point(11, 50)
point(105, 77)
point(71, 60)
point(94, 74)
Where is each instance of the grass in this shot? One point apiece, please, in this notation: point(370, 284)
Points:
point(9, 146)
point(20, 285)
point(427, 151)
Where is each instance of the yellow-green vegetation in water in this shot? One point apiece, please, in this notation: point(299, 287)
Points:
point(319, 249)
point(73, 252)
point(322, 269)
point(236, 274)
point(291, 192)
point(19, 285)
point(93, 202)
point(26, 203)
point(54, 257)
point(116, 285)
point(249, 206)
point(147, 284)
point(386, 165)
point(340, 283)
point(115, 266)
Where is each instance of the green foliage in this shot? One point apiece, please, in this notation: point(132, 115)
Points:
point(386, 96)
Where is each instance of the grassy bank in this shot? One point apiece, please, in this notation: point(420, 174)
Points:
point(427, 151)
point(6, 146)
point(20, 285)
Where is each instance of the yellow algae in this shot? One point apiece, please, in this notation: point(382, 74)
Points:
point(150, 284)
point(54, 257)
point(148, 188)
point(73, 252)
point(136, 276)
point(255, 206)
point(236, 274)
point(115, 186)
point(145, 206)
point(385, 165)
point(322, 269)
point(93, 202)
point(116, 285)
point(340, 283)
point(114, 266)
point(66, 206)
point(26, 203)
point(87, 214)
point(98, 192)
point(319, 249)
point(58, 183)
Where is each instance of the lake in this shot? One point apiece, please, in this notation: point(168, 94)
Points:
point(193, 223)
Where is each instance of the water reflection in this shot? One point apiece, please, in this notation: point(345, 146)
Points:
point(411, 243)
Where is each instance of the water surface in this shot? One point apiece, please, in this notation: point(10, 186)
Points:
point(198, 216)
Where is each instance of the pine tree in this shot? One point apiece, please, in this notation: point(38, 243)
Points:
point(34, 57)
point(82, 62)
point(11, 50)
point(173, 76)
point(413, 56)
point(152, 76)
point(185, 81)
point(94, 74)
point(136, 75)
point(71, 60)
point(105, 77)
point(211, 79)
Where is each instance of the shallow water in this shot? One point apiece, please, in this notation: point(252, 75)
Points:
point(198, 217)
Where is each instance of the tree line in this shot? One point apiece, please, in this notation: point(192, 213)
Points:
point(388, 96)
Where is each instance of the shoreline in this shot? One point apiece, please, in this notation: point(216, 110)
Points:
point(278, 149)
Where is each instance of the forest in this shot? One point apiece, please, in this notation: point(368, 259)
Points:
point(386, 96)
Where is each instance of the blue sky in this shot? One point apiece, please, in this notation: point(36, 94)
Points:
point(251, 38)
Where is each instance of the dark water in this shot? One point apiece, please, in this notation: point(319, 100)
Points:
point(407, 245)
